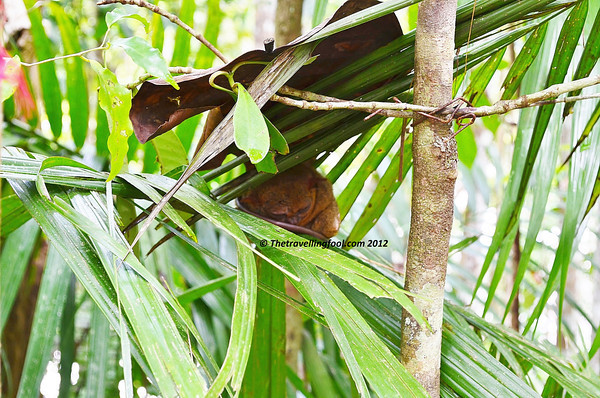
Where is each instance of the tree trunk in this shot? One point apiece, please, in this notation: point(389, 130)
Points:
point(288, 21)
point(288, 26)
point(434, 175)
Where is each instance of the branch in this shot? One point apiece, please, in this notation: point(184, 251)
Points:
point(316, 102)
point(171, 17)
point(383, 108)
point(535, 99)
point(172, 69)
point(65, 56)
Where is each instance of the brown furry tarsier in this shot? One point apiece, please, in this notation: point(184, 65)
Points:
point(299, 200)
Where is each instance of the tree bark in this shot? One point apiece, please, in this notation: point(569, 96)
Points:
point(288, 26)
point(434, 176)
point(288, 21)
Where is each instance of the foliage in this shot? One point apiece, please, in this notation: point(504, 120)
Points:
point(175, 318)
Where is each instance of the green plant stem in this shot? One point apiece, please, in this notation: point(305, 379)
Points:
point(79, 54)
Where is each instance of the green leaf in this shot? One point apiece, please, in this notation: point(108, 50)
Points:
point(151, 164)
point(50, 87)
point(567, 42)
point(205, 57)
point(543, 178)
point(481, 78)
point(141, 297)
point(116, 102)
point(157, 32)
point(56, 161)
point(98, 360)
point(481, 375)
point(251, 133)
point(351, 154)
point(187, 130)
point(389, 136)
point(267, 165)
point(588, 59)
point(48, 313)
point(14, 214)
point(67, 335)
point(575, 382)
point(242, 322)
point(146, 56)
point(595, 194)
point(102, 132)
point(523, 61)
point(582, 176)
point(364, 352)
point(278, 141)
point(181, 50)
point(17, 250)
point(316, 370)
point(78, 254)
point(467, 147)
point(147, 189)
point(76, 81)
point(586, 132)
point(122, 12)
point(265, 375)
point(460, 246)
point(363, 278)
point(319, 12)
point(199, 291)
point(385, 190)
point(170, 152)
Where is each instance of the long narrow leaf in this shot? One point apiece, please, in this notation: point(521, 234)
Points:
point(16, 252)
point(50, 87)
point(48, 312)
point(77, 93)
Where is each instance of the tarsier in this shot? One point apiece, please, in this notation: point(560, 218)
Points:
point(299, 200)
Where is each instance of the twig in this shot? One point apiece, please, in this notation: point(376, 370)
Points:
point(386, 108)
point(404, 110)
point(306, 95)
point(65, 56)
point(172, 69)
point(171, 17)
point(539, 98)
point(568, 99)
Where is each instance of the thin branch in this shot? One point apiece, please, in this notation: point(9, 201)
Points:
point(172, 69)
point(385, 108)
point(534, 99)
point(306, 95)
point(65, 56)
point(567, 99)
point(171, 17)
point(316, 102)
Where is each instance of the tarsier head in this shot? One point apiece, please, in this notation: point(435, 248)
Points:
point(299, 200)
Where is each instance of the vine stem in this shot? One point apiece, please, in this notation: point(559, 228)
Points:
point(79, 54)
